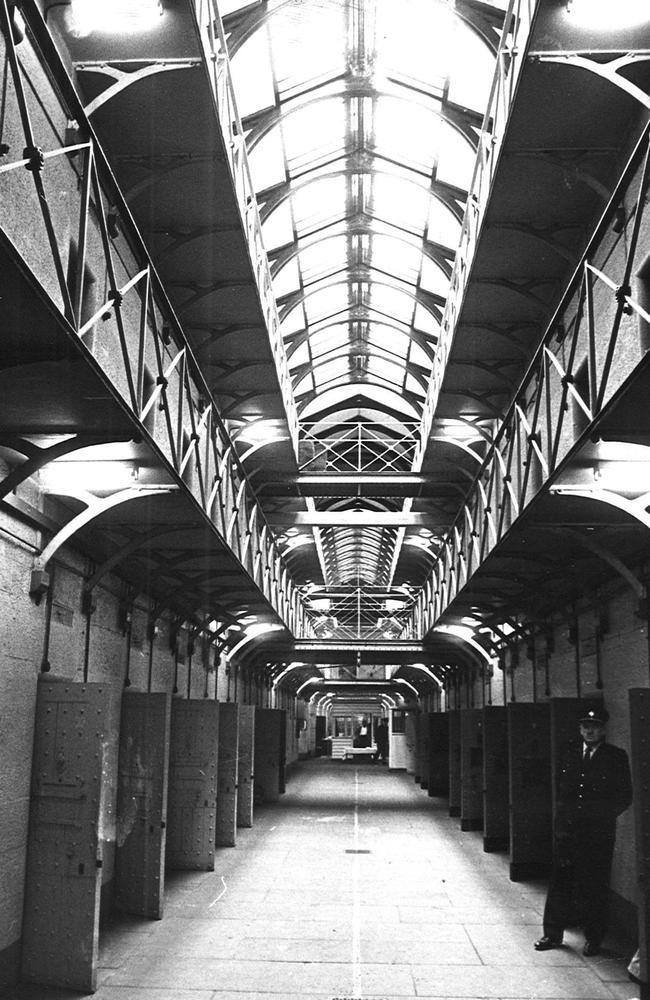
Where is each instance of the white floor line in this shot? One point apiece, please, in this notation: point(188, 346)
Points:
point(356, 901)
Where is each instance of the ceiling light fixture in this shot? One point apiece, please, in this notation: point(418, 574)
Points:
point(603, 14)
point(115, 16)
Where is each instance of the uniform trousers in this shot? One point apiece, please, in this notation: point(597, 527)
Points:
point(578, 893)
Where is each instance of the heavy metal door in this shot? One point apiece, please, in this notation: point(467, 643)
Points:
point(321, 732)
point(192, 798)
point(422, 772)
point(245, 776)
point(529, 749)
point(640, 762)
point(142, 803)
point(438, 753)
point(282, 783)
point(227, 774)
point(63, 872)
point(471, 769)
point(269, 755)
point(495, 779)
point(454, 762)
point(565, 726)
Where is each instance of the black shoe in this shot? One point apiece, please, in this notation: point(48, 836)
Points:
point(546, 943)
point(591, 948)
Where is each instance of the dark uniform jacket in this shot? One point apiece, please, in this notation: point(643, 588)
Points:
point(590, 800)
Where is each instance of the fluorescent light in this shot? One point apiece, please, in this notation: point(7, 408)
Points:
point(115, 16)
point(603, 14)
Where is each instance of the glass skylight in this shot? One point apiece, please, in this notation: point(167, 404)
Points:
point(362, 119)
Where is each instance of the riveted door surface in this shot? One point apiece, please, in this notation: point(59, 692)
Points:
point(454, 762)
point(142, 803)
point(227, 774)
point(471, 769)
point(63, 873)
point(640, 766)
point(269, 754)
point(246, 777)
point(192, 798)
point(496, 820)
point(529, 749)
point(438, 753)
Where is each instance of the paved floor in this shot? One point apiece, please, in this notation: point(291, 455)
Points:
point(354, 885)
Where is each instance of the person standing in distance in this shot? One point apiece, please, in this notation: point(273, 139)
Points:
point(593, 788)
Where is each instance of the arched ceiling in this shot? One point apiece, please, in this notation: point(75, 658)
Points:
point(361, 120)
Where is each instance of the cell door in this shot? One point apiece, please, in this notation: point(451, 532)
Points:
point(454, 762)
point(63, 873)
point(269, 754)
point(246, 775)
point(142, 803)
point(529, 749)
point(496, 824)
point(226, 832)
point(423, 750)
point(192, 798)
point(438, 753)
point(471, 769)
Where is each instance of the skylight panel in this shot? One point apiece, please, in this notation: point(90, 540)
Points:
point(389, 339)
point(425, 320)
point(329, 339)
point(316, 204)
point(433, 277)
point(401, 203)
point(266, 161)
point(407, 132)
point(313, 132)
point(456, 160)
point(277, 229)
point(396, 257)
point(287, 280)
point(252, 75)
point(326, 302)
point(443, 226)
point(323, 257)
point(392, 302)
point(308, 42)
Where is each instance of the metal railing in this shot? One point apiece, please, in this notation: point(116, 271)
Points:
point(215, 51)
point(583, 361)
point(130, 334)
point(510, 57)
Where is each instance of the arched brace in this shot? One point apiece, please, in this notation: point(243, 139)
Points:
point(451, 197)
point(467, 123)
point(96, 507)
point(636, 509)
point(127, 550)
point(38, 457)
point(477, 653)
point(438, 254)
point(607, 556)
point(123, 79)
point(608, 71)
point(484, 21)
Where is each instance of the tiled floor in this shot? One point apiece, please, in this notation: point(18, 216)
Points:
point(354, 885)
